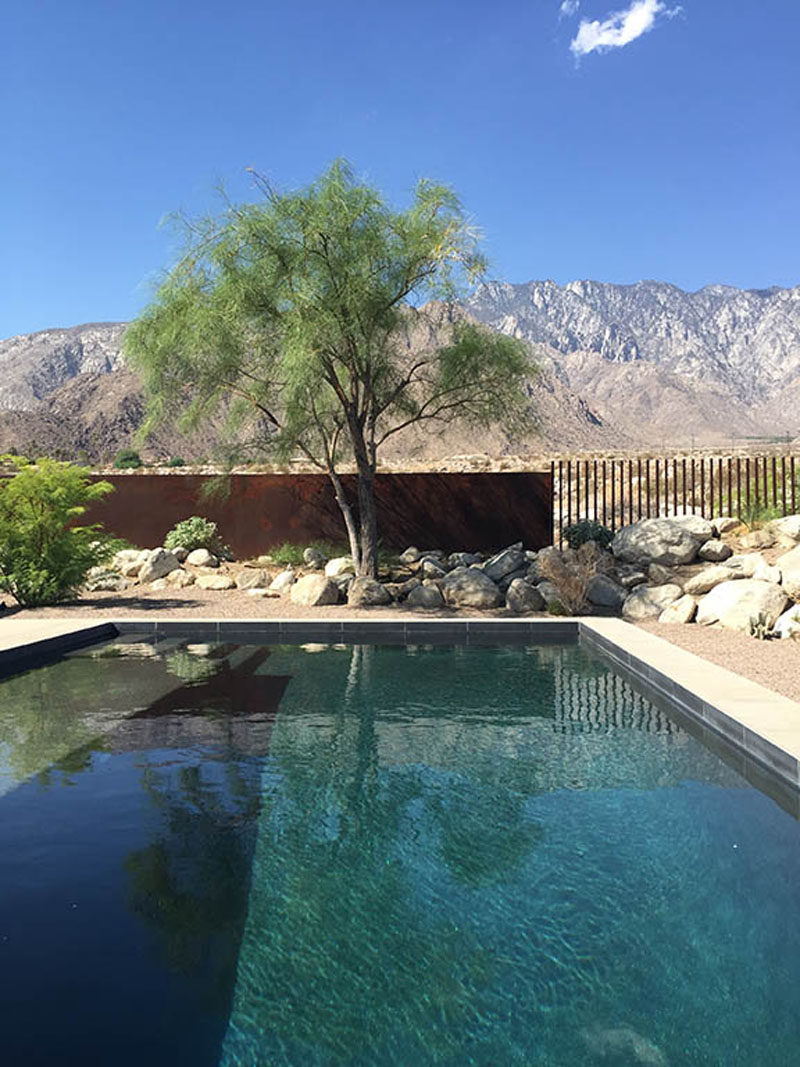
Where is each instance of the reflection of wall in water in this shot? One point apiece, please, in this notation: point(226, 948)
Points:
point(603, 702)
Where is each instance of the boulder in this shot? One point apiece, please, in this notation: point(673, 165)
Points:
point(400, 590)
point(735, 605)
point(367, 593)
point(126, 555)
point(700, 529)
point(764, 572)
point(314, 590)
point(130, 569)
point(334, 568)
point(411, 555)
point(215, 581)
point(282, 581)
point(463, 559)
point(549, 592)
point(313, 558)
point(158, 564)
point(724, 523)
point(522, 597)
point(470, 588)
point(705, 580)
point(789, 564)
point(682, 610)
point(510, 559)
point(432, 568)
point(104, 580)
point(788, 624)
point(252, 578)
point(655, 541)
point(629, 577)
point(201, 557)
point(647, 601)
point(604, 592)
point(788, 527)
point(746, 564)
point(425, 596)
point(714, 551)
point(180, 554)
point(657, 574)
point(757, 539)
point(179, 579)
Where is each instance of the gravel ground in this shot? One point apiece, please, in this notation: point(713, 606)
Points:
point(774, 664)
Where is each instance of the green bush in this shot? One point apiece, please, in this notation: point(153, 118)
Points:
point(177, 461)
point(127, 457)
point(44, 557)
point(579, 533)
point(195, 532)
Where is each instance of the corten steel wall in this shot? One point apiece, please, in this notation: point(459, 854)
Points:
point(448, 511)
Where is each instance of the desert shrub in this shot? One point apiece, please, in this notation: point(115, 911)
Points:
point(176, 461)
point(579, 533)
point(571, 571)
point(289, 555)
point(127, 458)
point(44, 555)
point(195, 532)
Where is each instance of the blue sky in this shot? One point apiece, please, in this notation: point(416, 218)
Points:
point(671, 154)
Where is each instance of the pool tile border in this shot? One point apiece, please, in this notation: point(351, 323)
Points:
point(762, 726)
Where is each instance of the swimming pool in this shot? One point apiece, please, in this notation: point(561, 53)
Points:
point(336, 855)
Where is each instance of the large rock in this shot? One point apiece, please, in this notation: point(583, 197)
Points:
point(522, 597)
point(746, 564)
point(757, 539)
point(604, 592)
point(282, 581)
point(700, 529)
point(658, 574)
point(648, 601)
point(789, 564)
point(105, 580)
point(682, 610)
point(411, 555)
point(788, 526)
point(312, 557)
point(179, 579)
point(201, 557)
point(215, 581)
point(505, 562)
point(252, 578)
point(425, 596)
point(788, 624)
point(335, 568)
point(158, 564)
point(714, 551)
point(432, 568)
point(735, 605)
point(724, 523)
point(463, 559)
point(470, 588)
point(367, 593)
point(705, 580)
point(314, 590)
point(655, 541)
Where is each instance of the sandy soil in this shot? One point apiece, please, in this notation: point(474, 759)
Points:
point(774, 664)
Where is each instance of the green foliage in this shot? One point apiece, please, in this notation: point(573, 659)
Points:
point(289, 555)
point(756, 513)
point(176, 461)
point(192, 533)
point(291, 318)
point(127, 458)
point(44, 557)
point(555, 607)
point(579, 533)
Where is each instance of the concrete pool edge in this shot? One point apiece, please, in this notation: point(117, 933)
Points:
point(762, 725)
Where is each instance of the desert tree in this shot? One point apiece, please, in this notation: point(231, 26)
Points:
point(292, 314)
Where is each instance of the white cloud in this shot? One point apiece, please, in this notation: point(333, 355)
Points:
point(569, 8)
point(620, 28)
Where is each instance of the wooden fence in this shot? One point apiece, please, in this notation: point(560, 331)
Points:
point(617, 492)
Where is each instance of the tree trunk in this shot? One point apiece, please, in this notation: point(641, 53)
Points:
point(349, 520)
point(368, 523)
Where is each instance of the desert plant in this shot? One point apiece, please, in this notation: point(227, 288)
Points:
point(571, 572)
point(176, 461)
point(44, 555)
point(127, 458)
point(195, 532)
point(760, 628)
point(579, 533)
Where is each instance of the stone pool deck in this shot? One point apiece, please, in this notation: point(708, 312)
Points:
point(761, 728)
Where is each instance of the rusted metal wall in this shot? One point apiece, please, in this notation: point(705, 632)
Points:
point(259, 511)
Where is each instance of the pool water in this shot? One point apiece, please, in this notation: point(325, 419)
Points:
point(245, 856)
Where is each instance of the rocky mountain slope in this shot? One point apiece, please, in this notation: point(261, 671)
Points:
point(700, 364)
point(618, 366)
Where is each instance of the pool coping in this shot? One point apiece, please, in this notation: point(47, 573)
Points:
point(761, 725)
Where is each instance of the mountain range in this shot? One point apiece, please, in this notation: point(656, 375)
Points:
point(617, 366)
